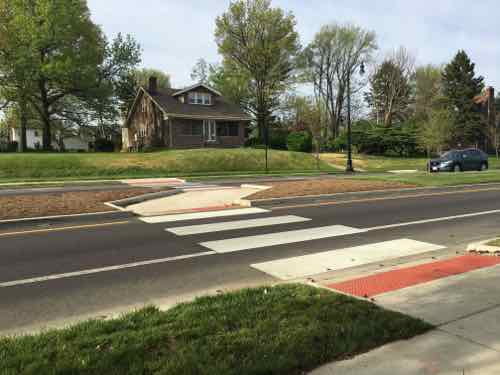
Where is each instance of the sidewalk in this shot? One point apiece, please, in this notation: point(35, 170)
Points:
point(460, 296)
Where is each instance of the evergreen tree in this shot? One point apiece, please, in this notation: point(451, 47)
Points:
point(460, 86)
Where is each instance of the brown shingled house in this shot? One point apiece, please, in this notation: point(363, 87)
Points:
point(195, 117)
point(486, 103)
point(487, 108)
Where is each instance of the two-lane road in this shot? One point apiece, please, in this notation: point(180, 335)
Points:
point(52, 277)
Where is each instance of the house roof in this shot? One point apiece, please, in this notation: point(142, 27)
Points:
point(179, 92)
point(220, 109)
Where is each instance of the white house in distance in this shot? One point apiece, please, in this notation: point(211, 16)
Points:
point(34, 140)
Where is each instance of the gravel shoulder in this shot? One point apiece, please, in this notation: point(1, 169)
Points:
point(64, 203)
point(283, 189)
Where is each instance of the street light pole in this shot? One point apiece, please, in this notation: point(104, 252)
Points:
point(349, 168)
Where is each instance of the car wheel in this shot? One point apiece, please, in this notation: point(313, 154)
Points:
point(484, 166)
point(457, 168)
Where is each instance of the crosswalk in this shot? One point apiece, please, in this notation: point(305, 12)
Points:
point(237, 224)
point(266, 231)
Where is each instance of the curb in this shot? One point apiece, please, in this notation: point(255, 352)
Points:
point(417, 189)
point(61, 219)
point(122, 203)
point(482, 247)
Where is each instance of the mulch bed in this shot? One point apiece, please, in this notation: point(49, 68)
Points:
point(283, 189)
point(25, 206)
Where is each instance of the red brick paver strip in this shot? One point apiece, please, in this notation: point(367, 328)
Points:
point(373, 285)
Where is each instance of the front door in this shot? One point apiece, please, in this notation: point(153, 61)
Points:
point(209, 130)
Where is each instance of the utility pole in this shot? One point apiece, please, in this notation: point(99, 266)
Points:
point(349, 168)
point(266, 137)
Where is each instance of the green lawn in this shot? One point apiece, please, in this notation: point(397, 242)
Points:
point(437, 179)
point(40, 166)
point(280, 330)
point(371, 163)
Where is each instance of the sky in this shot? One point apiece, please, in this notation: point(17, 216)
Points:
point(174, 34)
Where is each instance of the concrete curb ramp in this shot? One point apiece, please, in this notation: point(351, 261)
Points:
point(482, 247)
point(197, 200)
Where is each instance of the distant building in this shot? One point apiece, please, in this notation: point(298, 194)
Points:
point(194, 117)
point(487, 107)
point(34, 140)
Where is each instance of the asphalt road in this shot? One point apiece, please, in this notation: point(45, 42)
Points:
point(186, 269)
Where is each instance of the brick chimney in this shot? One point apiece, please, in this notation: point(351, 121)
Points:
point(490, 93)
point(153, 85)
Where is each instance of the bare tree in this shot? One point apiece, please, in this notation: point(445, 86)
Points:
point(330, 62)
point(390, 93)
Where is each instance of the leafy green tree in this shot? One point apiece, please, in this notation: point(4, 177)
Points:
point(428, 91)
point(129, 84)
point(233, 83)
point(16, 74)
point(460, 87)
point(262, 42)
point(435, 133)
point(65, 56)
point(142, 77)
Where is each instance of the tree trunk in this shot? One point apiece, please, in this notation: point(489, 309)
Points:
point(24, 124)
point(46, 136)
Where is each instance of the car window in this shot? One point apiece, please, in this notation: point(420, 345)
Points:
point(448, 155)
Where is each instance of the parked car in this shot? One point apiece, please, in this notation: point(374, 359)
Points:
point(460, 160)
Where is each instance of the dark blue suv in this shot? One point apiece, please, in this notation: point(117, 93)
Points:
point(460, 160)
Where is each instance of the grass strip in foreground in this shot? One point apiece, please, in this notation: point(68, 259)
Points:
point(286, 329)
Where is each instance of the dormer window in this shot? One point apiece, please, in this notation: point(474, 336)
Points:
point(200, 98)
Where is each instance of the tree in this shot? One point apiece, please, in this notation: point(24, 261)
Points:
point(233, 83)
point(16, 75)
point(435, 133)
point(129, 84)
point(71, 69)
point(142, 77)
point(460, 87)
point(200, 71)
point(261, 41)
point(330, 61)
point(428, 91)
point(4, 134)
point(390, 88)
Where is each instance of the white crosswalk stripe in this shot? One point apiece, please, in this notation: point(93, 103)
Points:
point(308, 265)
point(237, 224)
point(278, 238)
point(202, 215)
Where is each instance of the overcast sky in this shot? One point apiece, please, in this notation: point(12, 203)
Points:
point(175, 33)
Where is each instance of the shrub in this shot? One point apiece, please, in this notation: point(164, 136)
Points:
point(299, 141)
point(278, 139)
point(398, 139)
point(103, 145)
point(12, 146)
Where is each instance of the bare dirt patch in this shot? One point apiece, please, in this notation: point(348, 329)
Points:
point(25, 206)
point(283, 189)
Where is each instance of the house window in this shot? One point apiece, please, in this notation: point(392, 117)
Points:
point(36, 133)
point(200, 98)
point(228, 129)
point(192, 128)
